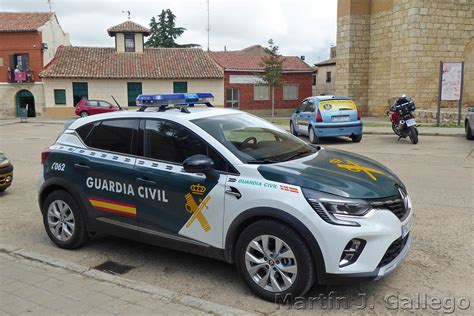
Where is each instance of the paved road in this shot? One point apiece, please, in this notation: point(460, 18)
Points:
point(439, 173)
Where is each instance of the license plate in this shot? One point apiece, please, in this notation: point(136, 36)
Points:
point(341, 118)
point(411, 122)
point(406, 227)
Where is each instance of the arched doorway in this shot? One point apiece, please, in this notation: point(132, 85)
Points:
point(23, 98)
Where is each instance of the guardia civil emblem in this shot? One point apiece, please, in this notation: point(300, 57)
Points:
point(195, 204)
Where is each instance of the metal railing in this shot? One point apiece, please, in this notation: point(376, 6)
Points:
point(15, 76)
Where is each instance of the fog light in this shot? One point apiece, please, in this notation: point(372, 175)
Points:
point(8, 179)
point(351, 252)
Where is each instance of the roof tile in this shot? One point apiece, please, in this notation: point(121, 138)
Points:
point(23, 21)
point(247, 62)
point(128, 26)
point(153, 63)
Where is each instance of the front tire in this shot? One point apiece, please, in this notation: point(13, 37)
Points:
point(313, 139)
point(413, 134)
point(292, 129)
point(274, 261)
point(63, 220)
point(469, 133)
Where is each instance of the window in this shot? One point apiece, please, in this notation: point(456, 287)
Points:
point(233, 98)
point(92, 103)
point(111, 135)
point(290, 92)
point(104, 104)
point(261, 92)
point(174, 143)
point(328, 76)
point(134, 89)
point(302, 106)
point(59, 96)
point(79, 91)
point(180, 87)
point(130, 43)
point(309, 106)
point(314, 79)
point(253, 139)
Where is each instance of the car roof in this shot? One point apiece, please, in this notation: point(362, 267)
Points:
point(330, 97)
point(170, 114)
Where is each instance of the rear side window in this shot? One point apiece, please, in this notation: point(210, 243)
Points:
point(309, 106)
point(111, 135)
point(92, 103)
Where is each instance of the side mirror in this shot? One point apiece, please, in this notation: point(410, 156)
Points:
point(201, 164)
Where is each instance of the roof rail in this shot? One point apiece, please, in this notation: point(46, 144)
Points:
point(181, 101)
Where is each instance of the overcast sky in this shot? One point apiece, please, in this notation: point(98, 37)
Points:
point(299, 27)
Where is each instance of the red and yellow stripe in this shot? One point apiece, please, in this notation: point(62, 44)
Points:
point(115, 207)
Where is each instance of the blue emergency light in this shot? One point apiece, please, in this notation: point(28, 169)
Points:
point(178, 100)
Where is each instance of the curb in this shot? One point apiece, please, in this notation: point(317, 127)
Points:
point(32, 122)
point(196, 303)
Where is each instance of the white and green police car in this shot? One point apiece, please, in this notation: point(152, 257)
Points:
point(229, 185)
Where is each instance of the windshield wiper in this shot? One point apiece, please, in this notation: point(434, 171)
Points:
point(297, 154)
point(262, 161)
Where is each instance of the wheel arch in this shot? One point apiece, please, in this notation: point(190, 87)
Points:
point(267, 213)
point(55, 184)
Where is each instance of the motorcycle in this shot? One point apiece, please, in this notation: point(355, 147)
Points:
point(402, 118)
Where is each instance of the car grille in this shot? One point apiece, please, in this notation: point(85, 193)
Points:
point(395, 205)
point(393, 251)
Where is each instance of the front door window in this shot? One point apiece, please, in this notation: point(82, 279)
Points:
point(233, 98)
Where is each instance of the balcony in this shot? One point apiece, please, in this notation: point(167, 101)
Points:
point(15, 76)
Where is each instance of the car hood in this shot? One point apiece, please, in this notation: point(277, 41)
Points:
point(336, 172)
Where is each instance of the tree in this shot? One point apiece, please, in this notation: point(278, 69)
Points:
point(272, 64)
point(164, 32)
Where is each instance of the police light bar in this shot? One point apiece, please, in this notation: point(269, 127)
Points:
point(174, 99)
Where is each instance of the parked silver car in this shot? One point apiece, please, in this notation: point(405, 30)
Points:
point(469, 124)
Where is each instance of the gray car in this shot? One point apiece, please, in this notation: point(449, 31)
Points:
point(469, 124)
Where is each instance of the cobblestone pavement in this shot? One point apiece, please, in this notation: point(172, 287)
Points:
point(34, 288)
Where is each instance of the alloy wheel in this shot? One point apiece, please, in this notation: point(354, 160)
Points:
point(61, 221)
point(271, 263)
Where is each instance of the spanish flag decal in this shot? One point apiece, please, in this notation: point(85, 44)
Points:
point(114, 207)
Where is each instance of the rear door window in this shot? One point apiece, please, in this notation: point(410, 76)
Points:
point(111, 135)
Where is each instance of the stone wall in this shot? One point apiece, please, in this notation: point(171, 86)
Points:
point(402, 46)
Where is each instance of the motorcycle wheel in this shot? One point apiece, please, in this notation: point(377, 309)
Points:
point(396, 130)
point(413, 134)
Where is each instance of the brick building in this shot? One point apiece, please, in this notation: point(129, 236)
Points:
point(243, 88)
point(125, 71)
point(387, 48)
point(28, 41)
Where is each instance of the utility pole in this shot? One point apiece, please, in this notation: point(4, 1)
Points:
point(50, 5)
point(208, 26)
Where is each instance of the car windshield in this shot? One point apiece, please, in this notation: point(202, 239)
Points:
point(254, 140)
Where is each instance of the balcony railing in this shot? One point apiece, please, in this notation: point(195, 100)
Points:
point(15, 76)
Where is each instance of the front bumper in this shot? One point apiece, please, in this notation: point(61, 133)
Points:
point(6, 177)
point(338, 129)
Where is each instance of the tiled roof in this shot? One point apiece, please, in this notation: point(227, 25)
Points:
point(128, 26)
point(246, 62)
point(23, 21)
point(153, 63)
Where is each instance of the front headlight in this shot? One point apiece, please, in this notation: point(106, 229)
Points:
point(336, 210)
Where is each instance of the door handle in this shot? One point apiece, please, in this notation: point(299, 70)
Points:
point(146, 181)
point(233, 191)
point(81, 166)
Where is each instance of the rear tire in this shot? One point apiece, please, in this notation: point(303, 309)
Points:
point(356, 138)
point(469, 133)
point(292, 129)
point(63, 220)
point(289, 270)
point(313, 138)
point(413, 134)
point(84, 114)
